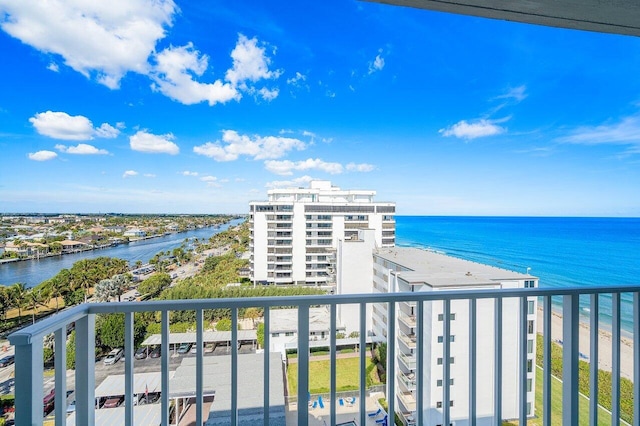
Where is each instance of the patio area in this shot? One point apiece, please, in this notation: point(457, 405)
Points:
point(345, 414)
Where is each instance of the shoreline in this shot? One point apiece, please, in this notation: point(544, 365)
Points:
point(605, 342)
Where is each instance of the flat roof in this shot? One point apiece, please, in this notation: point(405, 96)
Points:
point(113, 385)
point(207, 336)
point(217, 377)
point(440, 270)
point(286, 320)
point(148, 414)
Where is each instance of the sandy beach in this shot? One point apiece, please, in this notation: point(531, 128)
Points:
point(605, 348)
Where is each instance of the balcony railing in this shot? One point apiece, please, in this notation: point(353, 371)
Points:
point(29, 354)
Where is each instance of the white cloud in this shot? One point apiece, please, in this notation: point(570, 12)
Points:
point(268, 95)
point(156, 144)
point(101, 40)
point(250, 63)
point(188, 173)
point(233, 145)
point(301, 181)
point(624, 132)
point(174, 77)
point(376, 65)
point(363, 167)
point(129, 173)
point(478, 129)
point(53, 67)
point(287, 167)
point(42, 155)
point(60, 125)
point(149, 175)
point(107, 131)
point(211, 181)
point(82, 149)
point(297, 79)
point(516, 94)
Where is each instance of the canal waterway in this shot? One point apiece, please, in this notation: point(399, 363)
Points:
point(33, 272)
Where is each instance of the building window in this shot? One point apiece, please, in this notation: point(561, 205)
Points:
point(531, 307)
point(529, 384)
point(452, 317)
point(530, 327)
point(289, 333)
point(530, 346)
point(451, 339)
point(529, 284)
point(451, 360)
point(439, 382)
point(439, 404)
point(528, 408)
point(275, 334)
point(529, 366)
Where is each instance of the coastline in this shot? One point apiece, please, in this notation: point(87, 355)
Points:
point(605, 342)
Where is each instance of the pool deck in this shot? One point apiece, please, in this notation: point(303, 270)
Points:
point(320, 416)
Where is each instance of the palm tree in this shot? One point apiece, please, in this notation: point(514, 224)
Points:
point(18, 296)
point(5, 301)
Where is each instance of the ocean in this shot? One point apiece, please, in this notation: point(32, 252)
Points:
point(561, 252)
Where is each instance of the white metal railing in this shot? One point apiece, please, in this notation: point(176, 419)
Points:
point(29, 353)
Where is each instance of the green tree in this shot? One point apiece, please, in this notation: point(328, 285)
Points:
point(18, 293)
point(71, 351)
point(253, 314)
point(155, 283)
point(5, 301)
point(223, 325)
point(260, 334)
point(110, 330)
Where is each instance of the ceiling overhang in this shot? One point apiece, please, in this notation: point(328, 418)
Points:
point(607, 16)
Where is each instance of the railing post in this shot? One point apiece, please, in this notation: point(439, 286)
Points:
point(199, 365)
point(472, 361)
point(570, 333)
point(303, 364)
point(615, 360)
point(391, 361)
point(420, 330)
point(28, 369)
point(128, 368)
point(524, 340)
point(164, 368)
point(234, 366)
point(363, 365)
point(593, 361)
point(267, 365)
point(546, 360)
point(636, 358)
point(85, 370)
point(60, 364)
point(332, 365)
point(446, 360)
point(497, 373)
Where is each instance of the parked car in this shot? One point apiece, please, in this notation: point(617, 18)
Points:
point(155, 353)
point(48, 402)
point(7, 360)
point(113, 357)
point(184, 348)
point(141, 352)
point(113, 402)
point(209, 347)
point(71, 407)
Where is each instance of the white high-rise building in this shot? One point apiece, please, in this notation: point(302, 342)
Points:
point(414, 270)
point(295, 233)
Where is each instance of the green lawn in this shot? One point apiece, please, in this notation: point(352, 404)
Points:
point(347, 375)
point(604, 418)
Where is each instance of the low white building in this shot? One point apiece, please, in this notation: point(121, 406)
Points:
point(283, 328)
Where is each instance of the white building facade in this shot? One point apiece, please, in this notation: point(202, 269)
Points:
point(296, 232)
point(413, 270)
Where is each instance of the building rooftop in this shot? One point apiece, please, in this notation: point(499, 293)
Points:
point(286, 320)
point(440, 270)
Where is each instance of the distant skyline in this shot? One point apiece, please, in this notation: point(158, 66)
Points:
point(140, 106)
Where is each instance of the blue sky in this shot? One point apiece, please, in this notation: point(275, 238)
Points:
point(195, 107)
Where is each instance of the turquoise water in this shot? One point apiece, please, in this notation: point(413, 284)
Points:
point(562, 252)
